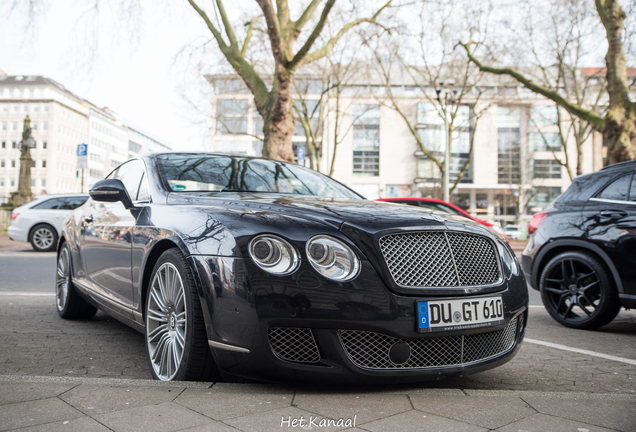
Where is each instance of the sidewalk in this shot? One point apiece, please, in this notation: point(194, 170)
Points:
point(84, 404)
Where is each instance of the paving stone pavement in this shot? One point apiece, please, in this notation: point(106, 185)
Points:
point(99, 404)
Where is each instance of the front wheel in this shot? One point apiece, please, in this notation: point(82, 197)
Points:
point(578, 291)
point(176, 340)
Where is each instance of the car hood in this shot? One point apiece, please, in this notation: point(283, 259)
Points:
point(369, 216)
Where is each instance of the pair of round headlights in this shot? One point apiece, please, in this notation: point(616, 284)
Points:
point(327, 255)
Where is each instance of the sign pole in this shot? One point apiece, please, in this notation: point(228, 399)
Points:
point(82, 162)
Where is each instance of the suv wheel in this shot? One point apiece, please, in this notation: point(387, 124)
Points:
point(578, 291)
point(43, 238)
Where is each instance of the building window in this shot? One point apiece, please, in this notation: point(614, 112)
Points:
point(545, 168)
point(36, 108)
point(2, 163)
point(543, 115)
point(230, 86)
point(34, 126)
point(12, 183)
point(430, 129)
point(45, 126)
point(2, 182)
point(369, 191)
point(13, 164)
point(25, 108)
point(5, 107)
point(15, 126)
point(540, 197)
point(14, 145)
point(96, 173)
point(509, 148)
point(43, 183)
point(16, 108)
point(134, 147)
point(4, 144)
point(4, 126)
point(32, 164)
point(366, 140)
point(43, 164)
point(538, 141)
point(32, 183)
point(44, 145)
point(45, 107)
point(231, 116)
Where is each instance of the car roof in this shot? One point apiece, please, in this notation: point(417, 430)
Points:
point(620, 165)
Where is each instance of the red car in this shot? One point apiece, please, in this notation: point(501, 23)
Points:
point(444, 207)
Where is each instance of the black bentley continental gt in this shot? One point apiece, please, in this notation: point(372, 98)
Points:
point(245, 268)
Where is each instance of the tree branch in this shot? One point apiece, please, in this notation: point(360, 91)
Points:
point(226, 23)
point(273, 30)
point(248, 36)
point(303, 55)
point(306, 16)
point(589, 116)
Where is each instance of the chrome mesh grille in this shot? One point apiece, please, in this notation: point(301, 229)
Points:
point(294, 344)
point(425, 259)
point(370, 350)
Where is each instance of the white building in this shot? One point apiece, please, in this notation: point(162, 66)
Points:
point(378, 156)
point(60, 121)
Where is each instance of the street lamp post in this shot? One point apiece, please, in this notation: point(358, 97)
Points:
point(444, 100)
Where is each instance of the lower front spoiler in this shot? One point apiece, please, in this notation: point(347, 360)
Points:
point(336, 365)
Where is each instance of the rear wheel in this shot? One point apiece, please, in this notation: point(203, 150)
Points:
point(176, 339)
point(578, 291)
point(69, 304)
point(43, 238)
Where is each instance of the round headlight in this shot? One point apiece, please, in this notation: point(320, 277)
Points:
point(332, 258)
point(273, 254)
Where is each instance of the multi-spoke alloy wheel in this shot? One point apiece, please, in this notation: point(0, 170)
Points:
point(166, 316)
point(43, 238)
point(577, 291)
point(62, 278)
point(176, 339)
point(69, 304)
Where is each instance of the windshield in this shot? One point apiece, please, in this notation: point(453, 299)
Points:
point(192, 173)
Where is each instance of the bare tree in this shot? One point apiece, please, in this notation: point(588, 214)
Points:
point(618, 123)
point(275, 104)
point(429, 68)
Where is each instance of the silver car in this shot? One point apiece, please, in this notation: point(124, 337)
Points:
point(40, 221)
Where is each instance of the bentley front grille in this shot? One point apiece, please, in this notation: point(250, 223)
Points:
point(370, 350)
point(294, 344)
point(425, 259)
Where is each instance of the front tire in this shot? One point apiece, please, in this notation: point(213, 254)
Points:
point(69, 304)
point(176, 339)
point(43, 238)
point(578, 291)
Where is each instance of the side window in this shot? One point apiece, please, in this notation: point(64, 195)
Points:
point(51, 204)
point(632, 192)
point(73, 203)
point(143, 194)
point(407, 202)
point(618, 189)
point(130, 174)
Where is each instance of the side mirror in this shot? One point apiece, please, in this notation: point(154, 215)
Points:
point(111, 190)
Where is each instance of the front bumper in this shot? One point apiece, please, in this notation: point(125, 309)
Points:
point(243, 312)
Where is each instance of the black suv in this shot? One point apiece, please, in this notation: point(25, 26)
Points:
point(581, 252)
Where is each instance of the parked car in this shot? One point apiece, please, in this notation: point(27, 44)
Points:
point(234, 266)
point(443, 207)
point(513, 232)
point(40, 221)
point(581, 252)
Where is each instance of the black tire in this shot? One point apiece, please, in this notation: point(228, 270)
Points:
point(68, 302)
point(43, 238)
point(578, 291)
point(178, 322)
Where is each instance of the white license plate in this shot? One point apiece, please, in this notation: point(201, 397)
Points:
point(461, 313)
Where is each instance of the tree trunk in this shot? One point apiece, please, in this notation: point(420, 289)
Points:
point(278, 127)
point(620, 122)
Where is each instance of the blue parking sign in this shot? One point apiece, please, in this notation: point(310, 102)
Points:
point(81, 149)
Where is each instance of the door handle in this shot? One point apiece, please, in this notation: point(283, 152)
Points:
point(614, 213)
point(88, 219)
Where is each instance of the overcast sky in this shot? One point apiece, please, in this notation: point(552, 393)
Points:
point(132, 73)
